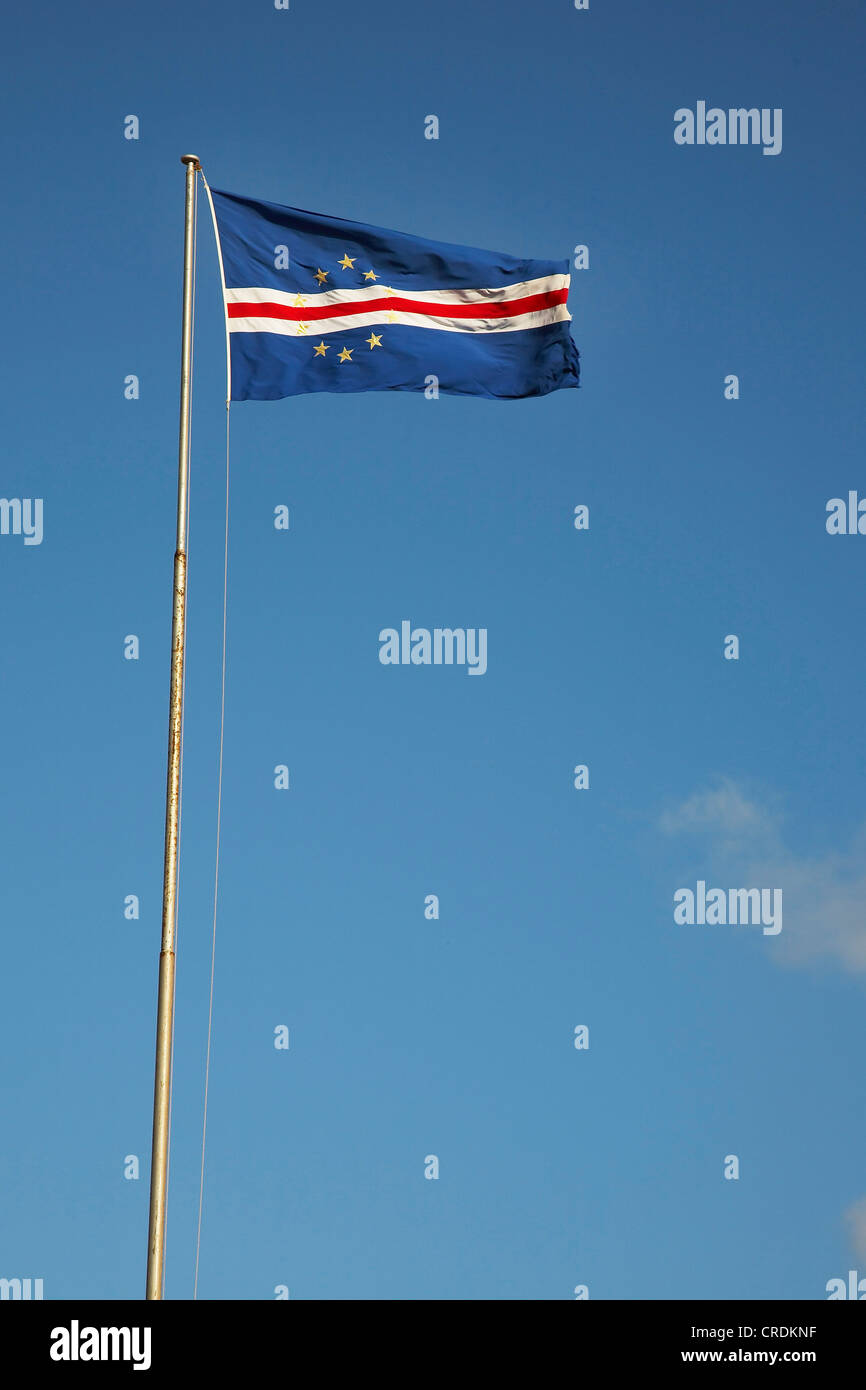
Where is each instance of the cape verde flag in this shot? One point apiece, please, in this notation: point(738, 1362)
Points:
point(317, 303)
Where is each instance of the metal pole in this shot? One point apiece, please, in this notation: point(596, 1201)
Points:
point(165, 1009)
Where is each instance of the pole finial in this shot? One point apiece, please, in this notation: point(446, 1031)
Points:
point(190, 159)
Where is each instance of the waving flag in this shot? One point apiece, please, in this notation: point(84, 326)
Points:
point(317, 303)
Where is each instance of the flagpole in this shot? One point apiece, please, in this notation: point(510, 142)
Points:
point(165, 1008)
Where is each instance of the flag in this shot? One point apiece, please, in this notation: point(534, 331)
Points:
point(317, 303)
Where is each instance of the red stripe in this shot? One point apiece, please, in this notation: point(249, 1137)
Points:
point(499, 309)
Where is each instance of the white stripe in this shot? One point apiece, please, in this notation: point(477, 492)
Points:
point(287, 328)
point(500, 295)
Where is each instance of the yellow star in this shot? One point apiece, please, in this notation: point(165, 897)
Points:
point(321, 348)
point(346, 354)
point(321, 275)
point(299, 301)
point(391, 316)
point(347, 262)
point(302, 327)
point(374, 341)
point(370, 275)
point(386, 289)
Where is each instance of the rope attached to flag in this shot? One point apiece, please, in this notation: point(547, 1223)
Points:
point(219, 805)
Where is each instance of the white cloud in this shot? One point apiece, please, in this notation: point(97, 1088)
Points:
point(855, 1217)
point(724, 810)
point(743, 846)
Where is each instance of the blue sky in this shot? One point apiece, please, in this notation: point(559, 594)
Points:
point(453, 1037)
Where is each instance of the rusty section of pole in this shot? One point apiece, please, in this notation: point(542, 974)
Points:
point(165, 1008)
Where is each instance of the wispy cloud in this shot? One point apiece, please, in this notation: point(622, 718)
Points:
point(744, 845)
point(855, 1218)
point(722, 810)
